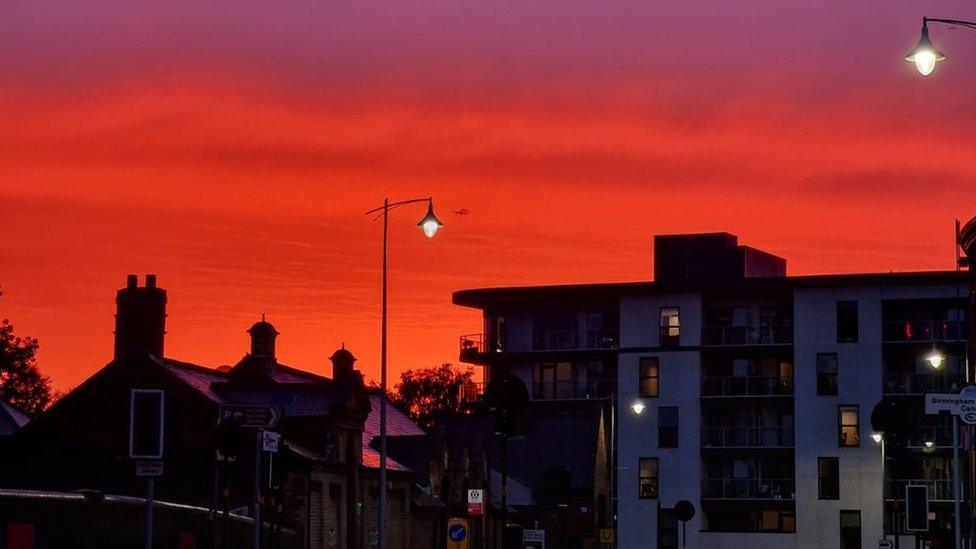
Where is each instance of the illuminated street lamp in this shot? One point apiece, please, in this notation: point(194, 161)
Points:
point(935, 358)
point(876, 437)
point(924, 54)
point(429, 224)
point(637, 407)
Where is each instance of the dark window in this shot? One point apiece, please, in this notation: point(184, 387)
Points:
point(850, 530)
point(649, 376)
point(849, 432)
point(847, 321)
point(827, 374)
point(828, 473)
point(670, 327)
point(647, 479)
point(667, 423)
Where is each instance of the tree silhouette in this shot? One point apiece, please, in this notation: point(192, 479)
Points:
point(425, 393)
point(21, 383)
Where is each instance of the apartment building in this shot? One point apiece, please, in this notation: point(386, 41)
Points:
point(744, 391)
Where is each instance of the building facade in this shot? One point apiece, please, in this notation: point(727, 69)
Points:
point(746, 392)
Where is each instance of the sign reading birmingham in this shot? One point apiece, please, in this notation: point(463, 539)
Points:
point(962, 405)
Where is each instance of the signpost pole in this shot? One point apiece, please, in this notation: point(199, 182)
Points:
point(258, 441)
point(150, 481)
point(956, 483)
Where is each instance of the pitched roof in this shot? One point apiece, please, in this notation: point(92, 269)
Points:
point(398, 424)
point(11, 419)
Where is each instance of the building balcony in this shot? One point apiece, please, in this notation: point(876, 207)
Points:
point(918, 384)
point(574, 390)
point(766, 334)
point(746, 386)
point(939, 489)
point(925, 331)
point(747, 437)
point(472, 347)
point(571, 340)
point(754, 488)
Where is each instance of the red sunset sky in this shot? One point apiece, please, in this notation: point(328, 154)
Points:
point(232, 149)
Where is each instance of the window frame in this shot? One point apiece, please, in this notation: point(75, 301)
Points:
point(641, 376)
point(821, 492)
point(656, 478)
point(840, 425)
point(860, 527)
point(836, 375)
point(857, 320)
point(666, 339)
point(661, 427)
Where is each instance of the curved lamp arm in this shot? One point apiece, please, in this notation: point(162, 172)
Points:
point(959, 22)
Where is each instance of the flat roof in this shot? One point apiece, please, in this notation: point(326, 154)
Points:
point(594, 292)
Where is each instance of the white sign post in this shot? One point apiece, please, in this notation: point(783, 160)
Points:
point(962, 404)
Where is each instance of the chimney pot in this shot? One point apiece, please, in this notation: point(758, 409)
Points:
point(131, 281)
point(140, 318)
point(150, 281)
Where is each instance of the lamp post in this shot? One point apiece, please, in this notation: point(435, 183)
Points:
point(429, 224)
point(924, 54)
point(637, 407)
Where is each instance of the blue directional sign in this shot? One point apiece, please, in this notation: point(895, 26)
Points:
point(457, 532)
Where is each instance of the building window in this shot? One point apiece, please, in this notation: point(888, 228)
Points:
point(647, 479)
point(847, 322)
point(555, 380)
point(789, 522)
point(769, 521)
point(670, 327)
point(828, 474)
point(848, 426)
point(827, 373)
point(850, 530)
point(667, 427)
point(649, 376)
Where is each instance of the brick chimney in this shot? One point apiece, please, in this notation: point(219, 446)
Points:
point(140, 317)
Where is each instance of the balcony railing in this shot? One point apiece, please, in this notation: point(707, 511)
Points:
point(746, 386)
point(917, 384)
point(925, 330)
point(939, 489)
point(753, 488)
point(765, 334)
point(747, 437)
point(602, 339)
point(573, 390)
point(472, 345)
point(940, 436)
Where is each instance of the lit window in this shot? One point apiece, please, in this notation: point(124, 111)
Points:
point(649, 376)
point(849, 426)
point(648, 478)
point(670, 327)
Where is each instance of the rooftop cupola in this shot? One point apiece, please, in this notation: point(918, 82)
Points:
point(343, 363)
point(263, 336)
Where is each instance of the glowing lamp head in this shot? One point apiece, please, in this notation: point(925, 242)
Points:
point(929, 444)
point(924, 55)
point(430, 223)
point(637, 407)
point(876, 437)
point(935, 358)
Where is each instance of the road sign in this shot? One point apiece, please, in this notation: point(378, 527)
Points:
point(269, 441)
point(885, 544)
point(534, 539)
point(476, 502)
point(457, 533)
point(962, 404)
point(608, 535)
point(153, 468)
point(251, 416)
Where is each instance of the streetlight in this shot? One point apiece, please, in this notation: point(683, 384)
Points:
point(637, 407)
point(924, 55)
point(935, 358)
point(429, 224)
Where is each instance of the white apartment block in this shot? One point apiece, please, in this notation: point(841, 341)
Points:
point(754, 391)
